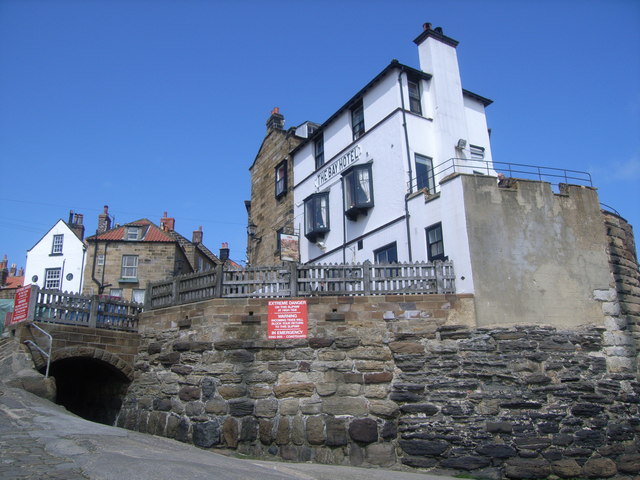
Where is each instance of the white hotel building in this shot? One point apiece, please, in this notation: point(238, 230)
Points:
point(367, 182)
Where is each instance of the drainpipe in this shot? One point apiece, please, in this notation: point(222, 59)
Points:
point(84, 252)
point(344, 224)
point(406, 139)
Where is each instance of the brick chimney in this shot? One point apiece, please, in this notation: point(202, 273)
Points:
point(104, 221)
point(75, 224)
point(197, 235)
point(167, 224)
point(276, 120)
point(20, 272)
point(224, 252)
point(12, 270)
point(3, 263)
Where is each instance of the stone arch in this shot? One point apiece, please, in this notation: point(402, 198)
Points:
point(96, 353)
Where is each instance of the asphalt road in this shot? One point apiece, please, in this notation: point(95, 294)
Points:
point(41, 440)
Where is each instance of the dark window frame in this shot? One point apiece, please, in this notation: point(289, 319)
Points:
point(415, 95)
point(436, 227)
point(314, 225)
point(281, 180)
point(357, 120)
point(353, 190)
point(424, 181)
point(318, 151)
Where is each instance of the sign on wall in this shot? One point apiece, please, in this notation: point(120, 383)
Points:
point(21, 305)
point(338, 165)
point(289, 248)
point(287, 319)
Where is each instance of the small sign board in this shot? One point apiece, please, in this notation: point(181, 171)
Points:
point(287, 319)
point(289, 248)
point(21, 305)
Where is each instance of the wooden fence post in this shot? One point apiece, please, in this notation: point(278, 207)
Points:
point(439, 271)
point(174, 292)
point(293, 279)
point(366, 277)
point(219, 280)
point(93, 311)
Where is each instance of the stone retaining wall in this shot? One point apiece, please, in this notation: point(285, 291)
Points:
point(387, 381)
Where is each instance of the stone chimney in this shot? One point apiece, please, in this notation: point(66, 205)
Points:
point(104, 221)
point(12, 270)
point(75, 223)
point(3, 263)
point(276, 120)
point(20, 272)
point(197, 236)
point(224, 252)
point(167, 224)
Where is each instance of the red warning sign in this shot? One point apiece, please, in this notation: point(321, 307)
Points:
point(287, 319)
point(21, 305)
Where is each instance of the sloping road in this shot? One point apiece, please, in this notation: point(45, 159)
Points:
point(40, 440)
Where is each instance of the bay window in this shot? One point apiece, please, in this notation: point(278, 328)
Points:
point(316, 215)
point(358, 190)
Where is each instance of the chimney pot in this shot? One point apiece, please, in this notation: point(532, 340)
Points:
point(438, 30)
point(197, 235)
point(426, 26)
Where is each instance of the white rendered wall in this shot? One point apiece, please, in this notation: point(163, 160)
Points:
point(39, 258)
point(447, 208)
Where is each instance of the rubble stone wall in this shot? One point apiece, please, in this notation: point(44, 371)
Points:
point(388, 381)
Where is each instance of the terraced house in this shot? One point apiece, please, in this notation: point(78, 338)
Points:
point(122, 260)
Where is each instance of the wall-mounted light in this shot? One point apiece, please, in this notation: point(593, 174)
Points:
point(252, 230)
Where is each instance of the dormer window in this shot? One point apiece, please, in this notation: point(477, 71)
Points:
point(358, 190)
point(281, 179)
point(357, 120)
point(133, 233)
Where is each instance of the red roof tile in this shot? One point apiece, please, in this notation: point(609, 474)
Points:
point(14, 282)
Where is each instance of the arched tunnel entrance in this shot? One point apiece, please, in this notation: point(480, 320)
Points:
point(90, 388)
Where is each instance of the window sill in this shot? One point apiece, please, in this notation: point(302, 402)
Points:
point(128, 280)
point(55, 254)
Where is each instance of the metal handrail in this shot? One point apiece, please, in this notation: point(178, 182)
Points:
point(48, 355)
point(519, 170)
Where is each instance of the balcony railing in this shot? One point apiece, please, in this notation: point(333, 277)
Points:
point(552, 175)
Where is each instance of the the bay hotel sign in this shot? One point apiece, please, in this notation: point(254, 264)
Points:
point(338, 165)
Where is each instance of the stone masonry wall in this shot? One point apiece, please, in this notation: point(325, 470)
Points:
point(624, 267)
point(387, 381)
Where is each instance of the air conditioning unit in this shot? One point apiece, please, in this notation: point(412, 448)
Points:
point(462, 144)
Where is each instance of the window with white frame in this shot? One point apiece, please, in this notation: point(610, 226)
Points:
point(424, 173)
point(357, 120)
point(477, 153)
point(52, 278)
point(358, 190)
point(115, 292)
point(316, 215)
point(137, 295)
point(129, 266)
point(435, 244)
point(318, 151)
point(56, 247)
point(100, 259)
point(281, 179)
point(133, 233)
point(415, 104)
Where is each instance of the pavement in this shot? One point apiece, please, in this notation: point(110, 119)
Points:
point(41, 440)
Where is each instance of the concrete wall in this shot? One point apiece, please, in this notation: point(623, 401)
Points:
point(537, 257)
point(387, 381)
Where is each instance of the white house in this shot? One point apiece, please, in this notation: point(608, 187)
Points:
point(366, 180)
point(56, 261)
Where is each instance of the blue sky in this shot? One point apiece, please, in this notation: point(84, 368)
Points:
point(152, 106)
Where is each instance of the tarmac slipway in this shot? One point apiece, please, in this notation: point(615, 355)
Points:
point(41, 440)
